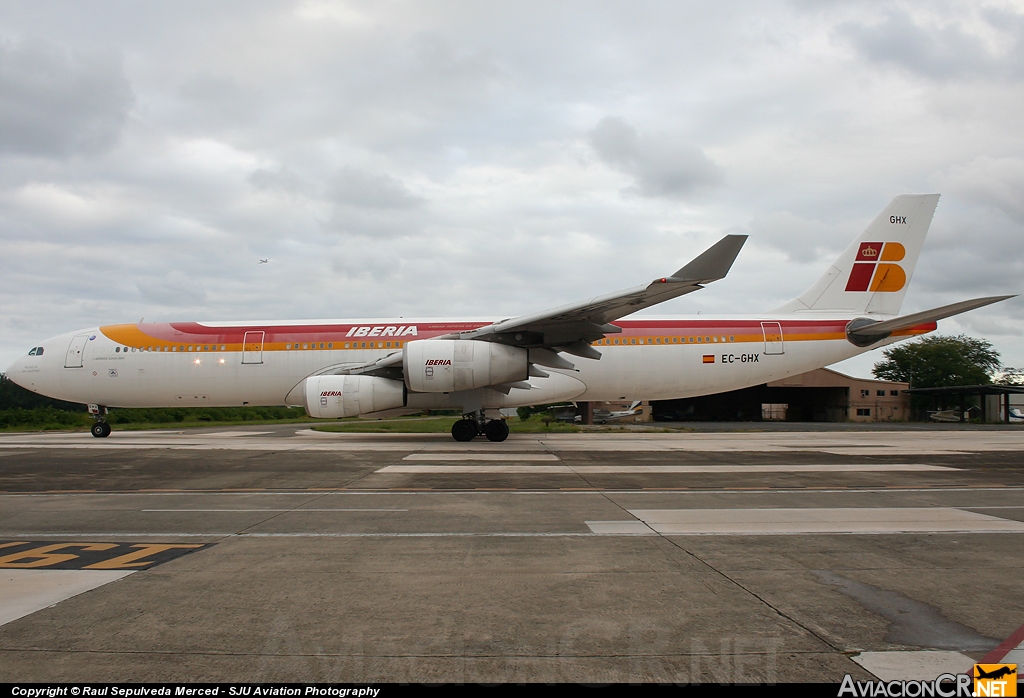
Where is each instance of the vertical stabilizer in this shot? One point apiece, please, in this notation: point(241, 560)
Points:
point(872, 274)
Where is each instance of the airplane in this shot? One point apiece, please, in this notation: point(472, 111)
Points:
point(603, 416)
point(265, 261)
point(583, 351)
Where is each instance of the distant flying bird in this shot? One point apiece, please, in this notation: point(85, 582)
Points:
point(265, 261)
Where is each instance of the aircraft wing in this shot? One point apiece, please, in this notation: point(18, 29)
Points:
point(571, 328)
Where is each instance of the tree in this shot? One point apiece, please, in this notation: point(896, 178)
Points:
point(933, 362)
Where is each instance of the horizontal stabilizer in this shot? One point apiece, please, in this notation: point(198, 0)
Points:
point(864, 331)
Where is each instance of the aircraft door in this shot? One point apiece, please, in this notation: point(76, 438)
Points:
point(252, 347)
point(773, 342)
point(76, 351)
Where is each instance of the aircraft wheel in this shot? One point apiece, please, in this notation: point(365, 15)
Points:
point(100, 430)
point(496, 430)
point(464, 430)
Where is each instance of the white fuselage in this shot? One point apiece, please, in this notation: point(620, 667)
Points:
point(233, 364)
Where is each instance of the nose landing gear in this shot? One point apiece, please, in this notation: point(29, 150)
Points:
point(100, 429)
point(467, 428)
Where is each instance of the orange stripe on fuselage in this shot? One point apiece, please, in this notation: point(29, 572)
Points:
point(184, 336)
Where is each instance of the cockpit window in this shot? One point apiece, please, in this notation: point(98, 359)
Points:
point(35, 351)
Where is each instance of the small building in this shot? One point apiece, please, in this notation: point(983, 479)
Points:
point(822, 395)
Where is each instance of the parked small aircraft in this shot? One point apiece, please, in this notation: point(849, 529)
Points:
point(344, 368)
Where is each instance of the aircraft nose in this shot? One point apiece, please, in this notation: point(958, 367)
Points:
point(26, 371)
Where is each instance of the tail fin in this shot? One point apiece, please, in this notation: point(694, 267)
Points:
point(872, 275)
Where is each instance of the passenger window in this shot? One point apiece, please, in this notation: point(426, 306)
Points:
point(330, 345)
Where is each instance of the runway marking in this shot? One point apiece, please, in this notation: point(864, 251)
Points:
point(489, 534)
point(823, 521)
point(482, 456)
point(26, 591)
point(299, 510)
point(1009, 651)
point(385, 492)
point(89, 555)
point(235, 433)
point(645, 469)
point(914, 665)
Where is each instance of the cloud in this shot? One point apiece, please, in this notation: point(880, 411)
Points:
point(361, 189)
point(662, 167)
point(991, 181)
point(58, 102)
point(938, 52)
point(175, 289)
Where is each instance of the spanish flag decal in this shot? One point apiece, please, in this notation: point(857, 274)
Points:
point(709, 358)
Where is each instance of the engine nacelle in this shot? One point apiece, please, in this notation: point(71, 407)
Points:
point(449, 365)
point(331, 397)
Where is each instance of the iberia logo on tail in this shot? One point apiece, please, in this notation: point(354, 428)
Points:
point(874, 268)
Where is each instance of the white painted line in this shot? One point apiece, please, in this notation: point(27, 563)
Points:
point(922, 665)
point(634, 469)
point(839, 520)
point(772, 468)
point(477, 469)
point(620, 528)
point(235, 433)
point(26, 591)
point(483, 456)
point(518, 492)
point(1015, 656)
point(293, 510)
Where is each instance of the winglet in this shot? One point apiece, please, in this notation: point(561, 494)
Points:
point(714, 263)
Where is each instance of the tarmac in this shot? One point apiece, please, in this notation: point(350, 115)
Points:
point(278, 553)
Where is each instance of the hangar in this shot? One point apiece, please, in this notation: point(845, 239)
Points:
point(822, 395)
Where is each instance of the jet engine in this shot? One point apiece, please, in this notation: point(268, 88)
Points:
point(449, 365)
point(331, 397)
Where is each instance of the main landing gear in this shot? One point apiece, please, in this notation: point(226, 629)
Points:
point(467, 428)
point(100, 429)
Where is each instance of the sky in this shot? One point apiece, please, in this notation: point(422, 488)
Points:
point(491, 159)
